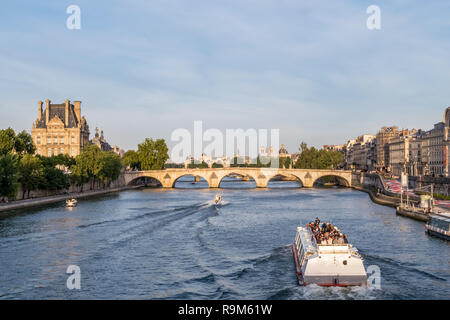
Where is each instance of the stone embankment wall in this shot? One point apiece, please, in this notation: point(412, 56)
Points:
point(93, 185)
point(375, 186)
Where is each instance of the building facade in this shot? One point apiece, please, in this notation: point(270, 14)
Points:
point(446, 121)
point(348, 155)
point(415, 165)
point(383, 137)
point(360, 153)
point(60, 129)
point(433, 150)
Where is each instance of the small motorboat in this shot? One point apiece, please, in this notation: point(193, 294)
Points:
point(217, 199)
point(71, 202)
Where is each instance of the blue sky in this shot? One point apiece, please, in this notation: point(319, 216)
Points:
point(310, 68)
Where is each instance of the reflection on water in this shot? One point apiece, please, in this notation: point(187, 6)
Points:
point(176, 244)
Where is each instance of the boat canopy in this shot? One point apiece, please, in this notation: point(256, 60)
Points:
point(307, 239)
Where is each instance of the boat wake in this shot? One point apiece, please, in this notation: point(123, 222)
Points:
point(375, 259)
point(316, 292)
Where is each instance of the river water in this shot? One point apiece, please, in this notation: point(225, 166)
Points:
point(175, 244)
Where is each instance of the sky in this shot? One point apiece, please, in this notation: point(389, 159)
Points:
point(311, 69)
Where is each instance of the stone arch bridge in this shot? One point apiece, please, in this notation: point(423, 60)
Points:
point(261, 176)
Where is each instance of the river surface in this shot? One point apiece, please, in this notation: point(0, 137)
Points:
point(175, 244)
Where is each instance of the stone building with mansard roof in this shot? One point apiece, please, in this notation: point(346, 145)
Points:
point(60, 129)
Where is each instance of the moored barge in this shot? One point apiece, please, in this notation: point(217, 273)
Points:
point(439, 226)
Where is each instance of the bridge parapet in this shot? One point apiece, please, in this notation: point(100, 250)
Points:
point(261, 176)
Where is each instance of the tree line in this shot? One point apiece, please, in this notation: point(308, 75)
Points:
point(312, 158)
point(150, 155)
point(20, 167)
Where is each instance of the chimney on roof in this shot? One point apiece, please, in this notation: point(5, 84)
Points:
point(47, 111)
point(40, 109)
point(77, 106)
point(66, 113)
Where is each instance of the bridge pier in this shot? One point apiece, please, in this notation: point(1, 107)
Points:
point(261, 183)
point(308, 184)
point(167, 183)
point(213, 183)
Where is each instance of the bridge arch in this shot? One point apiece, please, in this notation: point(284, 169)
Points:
point(139, 177)
point(187, 174)
point(237, 173)
point(292, 178)
point(342, 180)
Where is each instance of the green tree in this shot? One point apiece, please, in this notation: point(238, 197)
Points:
point(110, 166)
point(8, 175)
point(93, 165)
point(24, 143)
point(87, 165)
point(55, 160)
point(263, 161)
point(152, 154)
point(7, 141)
point(79, 174)
point(238, 162)
point(31, 173)
point(303, 146)
point(284, 162)
point(202, 165)
point(311, 158)
point(54, 179)
point(131, 159)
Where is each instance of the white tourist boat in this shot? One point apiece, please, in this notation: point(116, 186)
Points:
point(71, 202)
point(327, 265)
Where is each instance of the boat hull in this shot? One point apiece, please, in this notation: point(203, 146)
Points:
point(412, 214)
point(327, 280)
point(297, 266)
point(437, 234)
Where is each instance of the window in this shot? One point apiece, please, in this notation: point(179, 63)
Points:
point(73, 151)
point(62, 150)
point(73, 140)
point(55, 139)
point(38, 139)
point(39, 151)
point(61, 140)
point(49, 139)
point(49, 152)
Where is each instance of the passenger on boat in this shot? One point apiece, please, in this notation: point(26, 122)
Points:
point(326, 233)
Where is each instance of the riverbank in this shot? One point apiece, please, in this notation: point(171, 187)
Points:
point(394, 202)
point(380, 199)
point(20, 204)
